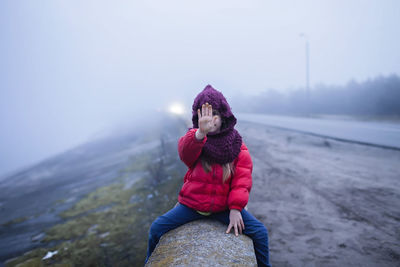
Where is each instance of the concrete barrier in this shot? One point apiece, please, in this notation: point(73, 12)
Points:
point(203, 243)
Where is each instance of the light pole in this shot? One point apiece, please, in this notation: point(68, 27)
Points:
point(307, 66)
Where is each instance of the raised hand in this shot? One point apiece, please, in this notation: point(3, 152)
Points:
point(206, 120)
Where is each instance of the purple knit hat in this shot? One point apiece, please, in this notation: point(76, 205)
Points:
point(224, 146)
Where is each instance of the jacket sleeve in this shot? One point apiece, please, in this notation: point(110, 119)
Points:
point(189, 148)
point(241, 181)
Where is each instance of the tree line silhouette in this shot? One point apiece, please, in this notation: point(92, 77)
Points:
point(379, 96)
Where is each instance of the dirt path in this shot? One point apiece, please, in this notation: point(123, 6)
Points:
point(324, 202)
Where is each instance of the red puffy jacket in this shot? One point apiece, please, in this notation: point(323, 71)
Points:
point(205, 191)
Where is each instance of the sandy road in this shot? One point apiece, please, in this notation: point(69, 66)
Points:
point(324, 202)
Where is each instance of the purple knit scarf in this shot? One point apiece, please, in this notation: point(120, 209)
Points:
point(224, 146)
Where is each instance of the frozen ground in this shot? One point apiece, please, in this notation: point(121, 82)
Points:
point(324, 202)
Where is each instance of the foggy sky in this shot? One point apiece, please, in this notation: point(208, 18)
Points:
point(69, 69)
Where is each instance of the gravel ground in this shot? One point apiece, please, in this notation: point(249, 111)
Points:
point(324, 202)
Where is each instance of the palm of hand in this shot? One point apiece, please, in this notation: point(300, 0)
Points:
point(205, 118)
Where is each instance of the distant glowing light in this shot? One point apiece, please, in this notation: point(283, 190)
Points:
point(176, 108)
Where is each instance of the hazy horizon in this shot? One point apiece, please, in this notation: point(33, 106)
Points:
point(71, 69)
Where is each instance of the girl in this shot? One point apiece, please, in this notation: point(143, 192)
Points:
point(218, 181)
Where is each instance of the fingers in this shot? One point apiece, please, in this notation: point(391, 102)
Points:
point(237, 226)
point(241, 226)
point(229, 228)
point(198, 113)
point(206, 110)
point(241, 221)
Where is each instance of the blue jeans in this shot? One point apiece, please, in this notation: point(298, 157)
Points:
point(182, 214)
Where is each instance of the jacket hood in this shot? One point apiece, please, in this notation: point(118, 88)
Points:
point(218, 102)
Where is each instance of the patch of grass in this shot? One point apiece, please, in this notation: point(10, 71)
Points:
point(112, 194)
point(117, 235)
point(16, 220)
point(138, 163)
